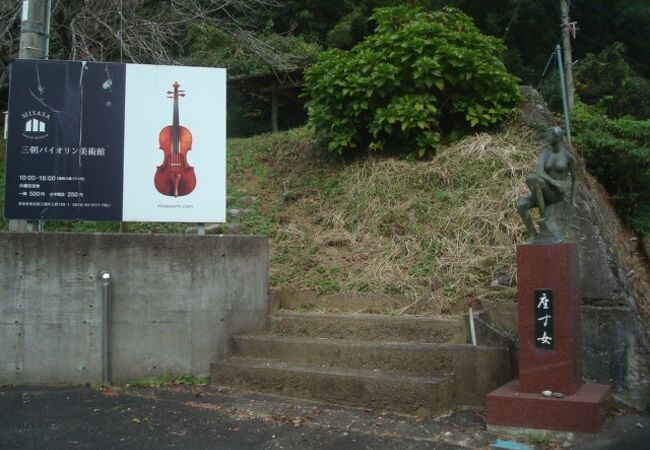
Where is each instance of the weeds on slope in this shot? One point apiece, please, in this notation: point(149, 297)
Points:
point(436, 231)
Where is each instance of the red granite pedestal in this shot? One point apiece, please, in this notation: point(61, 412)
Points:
point(581, 412)
point(549, 349)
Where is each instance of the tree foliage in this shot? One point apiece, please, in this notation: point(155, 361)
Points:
point(617, 152)
point(142, 31)
point(148, 31)
point(607, 80)
point(530, 28)
point(209, 45)
point(419, 75)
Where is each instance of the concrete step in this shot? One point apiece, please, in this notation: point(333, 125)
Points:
point(375, 327)
point(476, 370)
point(410, 394)
point(408, 357)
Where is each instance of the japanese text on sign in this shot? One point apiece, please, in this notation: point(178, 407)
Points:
point(544, 318)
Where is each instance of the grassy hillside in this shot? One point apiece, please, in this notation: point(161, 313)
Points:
point(436, 231)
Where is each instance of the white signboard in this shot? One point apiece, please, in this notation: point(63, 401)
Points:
point(129, 142)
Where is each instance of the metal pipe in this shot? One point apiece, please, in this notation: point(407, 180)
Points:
point(565, 104)
point(106, 325)
point(472, 330)
point(546, 67)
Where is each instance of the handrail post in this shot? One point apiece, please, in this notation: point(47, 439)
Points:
point(106, 325)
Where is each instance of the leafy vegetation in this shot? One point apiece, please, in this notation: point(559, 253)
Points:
point(208, 45)
point(168, 379)
point(607, 80)
point(528, 27)
point(617, 152)
point(419, 75)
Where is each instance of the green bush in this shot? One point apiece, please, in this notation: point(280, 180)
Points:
point(617, 152)
point(421, 75)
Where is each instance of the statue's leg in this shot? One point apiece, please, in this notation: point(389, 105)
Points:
point(556, 218)
point(551, 194)
point(536, 186)
point(524, 205)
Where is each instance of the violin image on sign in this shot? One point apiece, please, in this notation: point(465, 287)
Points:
point(175, 177)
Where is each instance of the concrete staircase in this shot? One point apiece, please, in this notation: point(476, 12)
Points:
point(408, 364)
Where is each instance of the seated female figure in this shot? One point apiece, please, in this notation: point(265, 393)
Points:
point(548, 184)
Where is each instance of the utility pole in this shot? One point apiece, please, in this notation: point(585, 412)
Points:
point(35, 30)
point(568, 59)
point(34, 44)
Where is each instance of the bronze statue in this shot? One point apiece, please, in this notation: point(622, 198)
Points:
point(548, 186)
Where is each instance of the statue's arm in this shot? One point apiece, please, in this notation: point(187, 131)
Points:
point(574, 182)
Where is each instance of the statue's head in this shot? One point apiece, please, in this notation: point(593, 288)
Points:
point(554, 135)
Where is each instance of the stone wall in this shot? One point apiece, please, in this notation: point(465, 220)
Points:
point(176, 300)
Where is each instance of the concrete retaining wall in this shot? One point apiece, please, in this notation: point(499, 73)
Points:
point(176, 302)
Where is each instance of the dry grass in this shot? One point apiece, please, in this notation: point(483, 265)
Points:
point(436, 231)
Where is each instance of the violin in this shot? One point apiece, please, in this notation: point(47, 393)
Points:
point(175, 177)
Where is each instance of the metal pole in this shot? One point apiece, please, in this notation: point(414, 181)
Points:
point(472, 330)
point(34, 44)
point(48, 20)
point(106, 327)
point(565, 105)
point(547, 66)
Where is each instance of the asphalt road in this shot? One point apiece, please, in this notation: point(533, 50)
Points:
point(70, 418)
point(208, 417)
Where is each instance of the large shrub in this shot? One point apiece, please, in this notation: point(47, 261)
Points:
point(420, 75)
point(617, 152)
